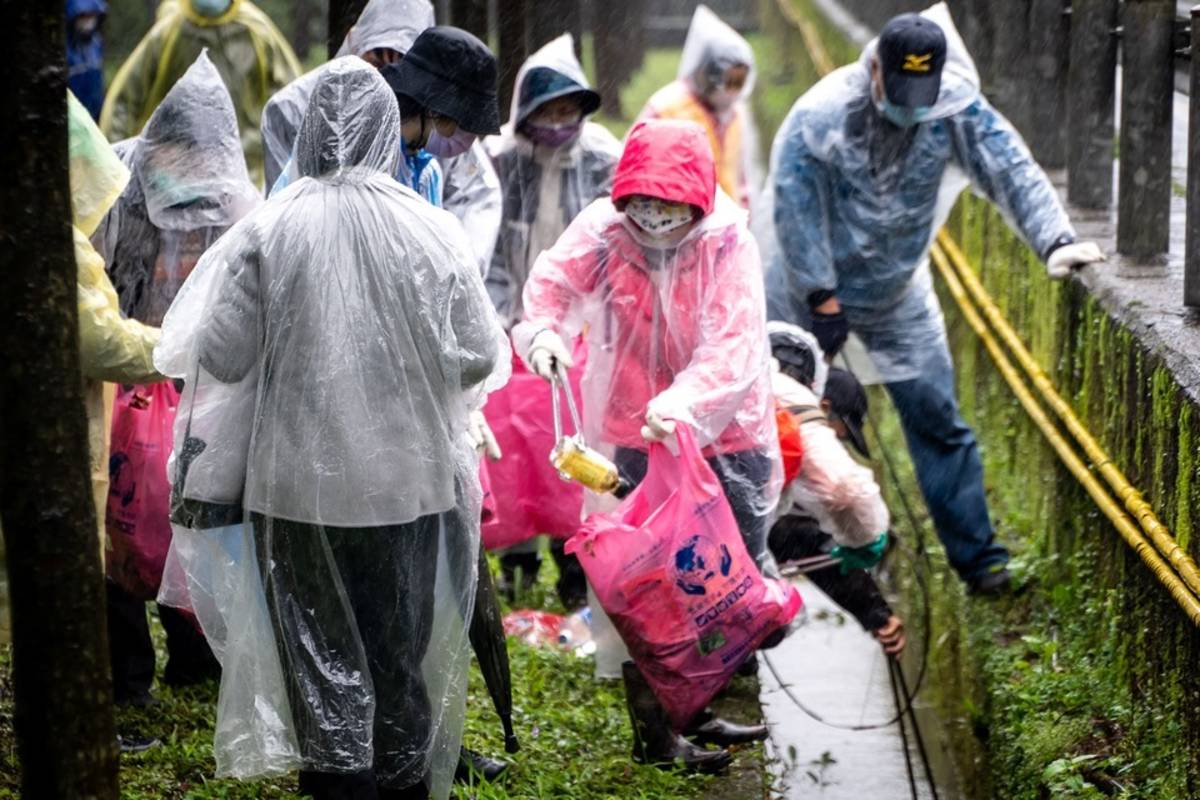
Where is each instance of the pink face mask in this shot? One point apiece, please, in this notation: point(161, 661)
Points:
point(552, 135)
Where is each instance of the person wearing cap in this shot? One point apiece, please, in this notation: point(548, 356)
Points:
point(252, 56)
point(464, 183)
point(831, 504)
point(716, 76)
point(552, 162)
point(864, 171)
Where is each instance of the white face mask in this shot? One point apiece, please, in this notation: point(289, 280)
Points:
point(721, 100)
point(658, 217)
point(449, 146)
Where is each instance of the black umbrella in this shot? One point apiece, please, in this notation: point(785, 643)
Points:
point(491, 650)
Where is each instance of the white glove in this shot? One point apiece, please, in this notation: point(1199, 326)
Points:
point(546, 352)
point(657, 428)
point(482, 436)
point(1072, 256)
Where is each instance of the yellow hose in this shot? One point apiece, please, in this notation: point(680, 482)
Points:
point(1120, 520)
point(1178, 573)
point(1163, 541)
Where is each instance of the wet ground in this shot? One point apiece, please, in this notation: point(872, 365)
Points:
point(839, 673)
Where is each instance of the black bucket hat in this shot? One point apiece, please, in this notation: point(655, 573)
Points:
point(451, 73)
point(848, 404)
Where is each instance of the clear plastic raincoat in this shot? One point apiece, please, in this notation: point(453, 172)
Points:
point(544, 187)
point(465, 185)
point(711, 48)
point(679, 330)
point(854, 202)
point(327, 498)
point(252, 56)
point(111, 348)
point(189, 185)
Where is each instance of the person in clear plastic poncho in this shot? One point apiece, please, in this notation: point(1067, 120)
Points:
point(252, 56)
point(716, 76)
point(112, 349)
point(334, 342)
point(464, 184)
point(864, 171)
point(664, 282)
point(189, 185)
point(552, 164)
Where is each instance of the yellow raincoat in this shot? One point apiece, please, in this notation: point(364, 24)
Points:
point(254, 60)
point(111, 348)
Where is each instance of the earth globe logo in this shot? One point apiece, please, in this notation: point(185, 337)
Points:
point(697, 561)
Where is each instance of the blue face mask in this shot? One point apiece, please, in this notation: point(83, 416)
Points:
point(902, 116)
point(211, 8)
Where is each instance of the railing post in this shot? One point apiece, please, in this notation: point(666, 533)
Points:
point(1147, 86)
point(1090, 102)
point(1048, 51)
point(1191, 259)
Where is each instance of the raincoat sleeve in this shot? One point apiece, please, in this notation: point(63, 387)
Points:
point(803, 199)
point(472, 194)
point(999, 164)
point(229, 341)
point(838, 490)
point(111, 348)
point(478, 336)
point(732, 352)
point(561, 280)
point(125, 108)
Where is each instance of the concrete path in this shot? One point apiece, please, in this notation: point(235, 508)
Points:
point(838, 671)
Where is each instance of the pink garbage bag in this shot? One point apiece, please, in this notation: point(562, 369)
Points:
point(531, 498)
point(671, 570)
point(138, 513)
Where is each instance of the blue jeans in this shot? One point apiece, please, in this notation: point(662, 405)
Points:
point(949, 470)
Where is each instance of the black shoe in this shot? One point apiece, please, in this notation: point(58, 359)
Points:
point(654, 740)
point(138, 699)
point(518, 574)
point(477, 765)
point(993, 583)
point(136, 744)
point(708, 728)
point(416, 792)
point(339, 786)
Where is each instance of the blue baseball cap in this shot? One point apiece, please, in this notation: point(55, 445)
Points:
point(912, 52)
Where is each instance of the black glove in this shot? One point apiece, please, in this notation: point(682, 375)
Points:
point(831, 331)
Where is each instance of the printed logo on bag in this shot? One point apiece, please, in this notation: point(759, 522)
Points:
point(697, 562)
point(121, 481)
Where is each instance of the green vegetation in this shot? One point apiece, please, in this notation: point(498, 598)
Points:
point(574, 732)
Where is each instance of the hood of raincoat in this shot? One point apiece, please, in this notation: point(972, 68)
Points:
point(77, 8)
point(553, 71)
point(960, 78)
point(669, 160)
point(352, 123)
point(97, 175)
point(188, 163)
point(392, 24)
point(712, 47)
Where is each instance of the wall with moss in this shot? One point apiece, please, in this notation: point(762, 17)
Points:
point(1087, 682)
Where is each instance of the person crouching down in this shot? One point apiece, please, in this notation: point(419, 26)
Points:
point(665, 281)
point(831, 503)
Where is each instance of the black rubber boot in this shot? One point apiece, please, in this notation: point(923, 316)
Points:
point(654, 740)
point(708, 728)
point(518, 574)
point(473, 765)
point(338, 786)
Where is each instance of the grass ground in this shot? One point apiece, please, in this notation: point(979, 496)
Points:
point(574, 733)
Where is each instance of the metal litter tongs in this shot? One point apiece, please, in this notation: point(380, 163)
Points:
point(571, 455)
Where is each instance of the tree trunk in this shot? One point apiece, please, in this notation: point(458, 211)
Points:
point(513, 46)
point(304, 13)
point(470, 15)
point(62, 686)
point(342, 15)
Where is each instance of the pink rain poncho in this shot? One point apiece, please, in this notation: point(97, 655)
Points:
point(679, 329)
point(326, 493)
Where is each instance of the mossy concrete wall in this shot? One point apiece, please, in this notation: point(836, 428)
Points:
point(1087, 683)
